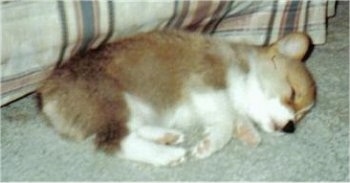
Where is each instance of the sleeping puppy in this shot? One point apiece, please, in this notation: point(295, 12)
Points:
point(137, 94)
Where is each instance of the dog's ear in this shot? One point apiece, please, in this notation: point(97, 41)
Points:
point(294, 45)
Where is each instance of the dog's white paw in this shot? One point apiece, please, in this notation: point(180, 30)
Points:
point(178, 161)
point(203, 149)
point(171, 138)
point(171, 157)
point(246, 132)
point(161, 135)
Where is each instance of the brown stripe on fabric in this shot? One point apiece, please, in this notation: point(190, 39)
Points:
point(283, 19)
point(220, 13)
point(271, 22)
point(175, 14)
point(296, 11)
point(18, 94)
point(111, 20)
point(289, 17)
point(18, 90)
point(15, 84)
point(78, 41)
point(217, 16)
point(306, 22)
point(96, 23)
point(64, 31)
point(29, 71)
point(201, 12)
point(183, 8)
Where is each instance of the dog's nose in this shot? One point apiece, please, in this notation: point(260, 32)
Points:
point(289, 128)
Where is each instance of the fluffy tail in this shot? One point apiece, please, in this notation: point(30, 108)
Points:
point(81, 101)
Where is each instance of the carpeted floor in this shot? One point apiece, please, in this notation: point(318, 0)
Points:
point(318, 151)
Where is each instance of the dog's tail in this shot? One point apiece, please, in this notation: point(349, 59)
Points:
point(82, 102)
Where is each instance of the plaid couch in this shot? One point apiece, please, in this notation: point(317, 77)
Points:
point(39, 35)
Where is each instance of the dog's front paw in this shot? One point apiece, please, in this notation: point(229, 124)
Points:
point(161, 135)
point(177, 161)
point(247, 133)
point(172, 157)
point(171, 138)
point(203, 149)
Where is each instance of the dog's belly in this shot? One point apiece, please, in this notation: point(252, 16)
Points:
point(196, 108)
point(142, 113)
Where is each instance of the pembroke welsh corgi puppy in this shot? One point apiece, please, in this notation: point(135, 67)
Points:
point(135, 95)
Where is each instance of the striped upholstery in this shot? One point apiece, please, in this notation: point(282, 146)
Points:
point(39, 35)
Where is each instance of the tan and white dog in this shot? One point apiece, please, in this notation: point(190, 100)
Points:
point(135, 95)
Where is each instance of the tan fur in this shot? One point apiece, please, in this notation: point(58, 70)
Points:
point(156, 78)
point(303, 91)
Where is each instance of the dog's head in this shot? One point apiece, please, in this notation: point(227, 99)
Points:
point(281, 90)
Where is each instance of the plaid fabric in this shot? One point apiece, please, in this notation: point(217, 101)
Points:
point(37, 36)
